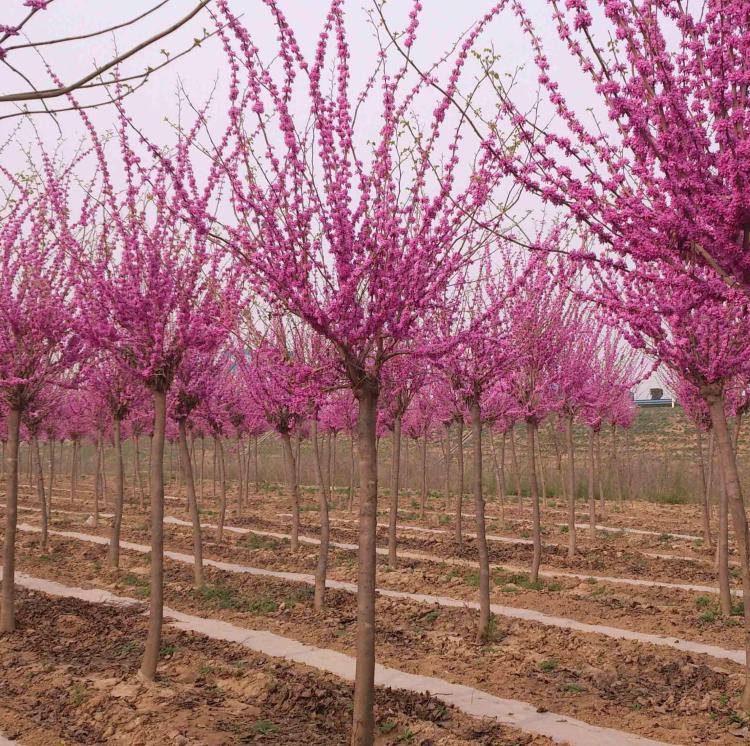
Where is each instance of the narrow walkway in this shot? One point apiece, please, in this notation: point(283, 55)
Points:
point(473, 702)
point(529, 615)
point(383, 551)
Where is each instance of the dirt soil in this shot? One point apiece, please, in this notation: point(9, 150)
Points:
point(69, 677)
point(656, 692)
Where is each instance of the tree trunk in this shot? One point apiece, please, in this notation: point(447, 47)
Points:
point(423, 496)
point(39, 472)
point(460, 494)
point(240, 476)
point(98, 479)
point(499, 486)
point(722, 554)
point(536, 528)
point(351, 472)
point(325, 530)
point(484, 557)
point(156, 489)
point(255, 463)
point(715, 402)
point(218, 444)
point(395, 487)
point(202, 470)
point(571, 487)
point(332, 465)
point(704, 489)
point(446, 441)
point(51, 446)
point(8, 609)
point(600, 473)
point(364, 680)
point(141, 496)
point(592, 496)
point(616, 465)
point(195, 520)
point(73, 473)
point(541, 467)
point(516, 470)
point(113, 554)
point(291, 476)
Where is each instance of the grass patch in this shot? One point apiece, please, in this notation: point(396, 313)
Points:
point(224, 597)
point(670, 499)
point(76, 694)
point(472, 579)
point(141, 586)
point(549, 665)
point(300, 595)
point(257, 541)
point(264, 727)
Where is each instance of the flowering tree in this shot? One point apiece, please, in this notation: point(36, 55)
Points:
point(359, 239)
point(37, 344)
point(153, 291)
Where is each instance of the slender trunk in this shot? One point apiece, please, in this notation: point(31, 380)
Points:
point(156, 489)
point(222, 488)
point(203, 463)
point(255, 463)
point(710, 478)
point(592, 496)
point(558, 461)
point(571, 487)
point(113, 554)
point(240, 477)
point(423, 496)
point(298, 459)
point(291, 476)
point(616, 465)
point(728, 463)
point(141, 495)
point(722, 556)
point(351, 472)
point(8, 608)
point(98, 479)
point(704, 489)
point(213, 474)
point(460, 494)
point(363, 726)
point(332, 463)
point(39, 470)
point(51, 445)
point(499, 487)
point(484, 557)
point(516, 470)
point(322, 567)
point(541, 468)
point(73, 474)
point(536, 528)
point(195, 520)
point(446, 440)
point(395, 486)
point(600, 472)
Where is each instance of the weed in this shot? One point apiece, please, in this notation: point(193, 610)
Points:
point(473, 580)
point(264, 727)
point(665, 537)
point(304, 593)
point(708, 616)
point(387, 726)
point(703, 602)
point(168, 650)
point(77, 694)
point(549, 665)
point(258, 541)
point(573, 687)
point(430, 616)
point(406, 737)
